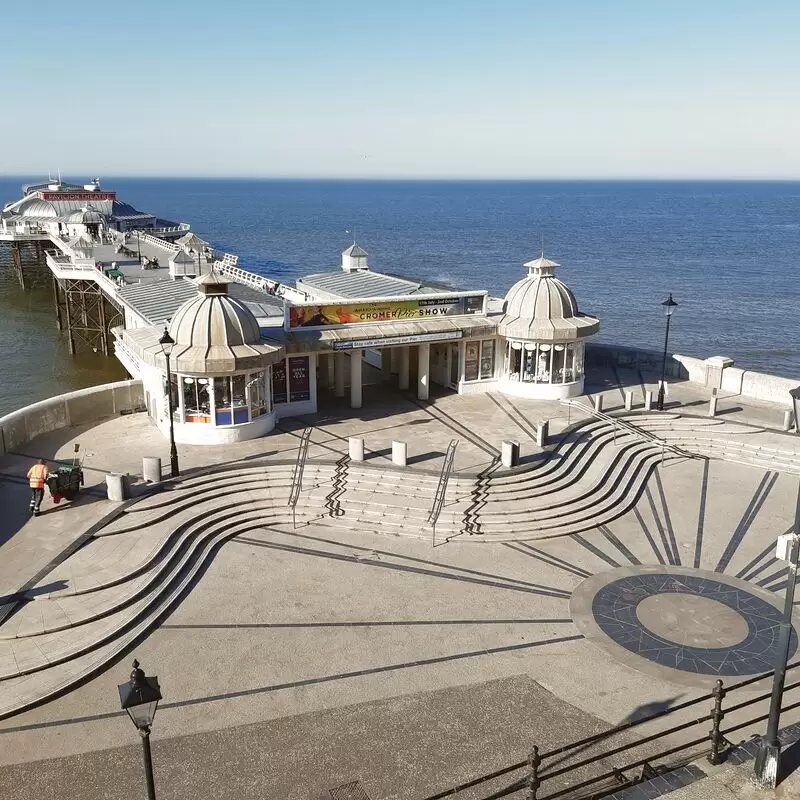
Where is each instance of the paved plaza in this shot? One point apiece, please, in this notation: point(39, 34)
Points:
point(624, 569)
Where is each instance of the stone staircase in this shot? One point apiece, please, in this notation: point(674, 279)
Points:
point(131, 573)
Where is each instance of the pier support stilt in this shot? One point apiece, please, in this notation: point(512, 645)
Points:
point(59, 323)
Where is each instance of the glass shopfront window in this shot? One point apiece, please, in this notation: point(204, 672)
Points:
point(479, 360)
point(259, 396)
point(196, 400)
point(230, 402)
point(532, 362)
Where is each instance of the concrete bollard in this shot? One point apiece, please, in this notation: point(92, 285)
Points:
point(399, 453)
point(356, 449)
point(787, 419)
point(598, 402)
point(542, 432)
point(628, 401)
point(509, 453)
point(117, 487)
point(648, 400)
point(712, 405)
point(151, 469)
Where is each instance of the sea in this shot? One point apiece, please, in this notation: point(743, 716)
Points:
point(727, 251)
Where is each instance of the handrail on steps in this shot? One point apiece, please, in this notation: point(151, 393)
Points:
point(629, 427)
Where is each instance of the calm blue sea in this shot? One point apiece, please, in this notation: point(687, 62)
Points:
point(728, 251)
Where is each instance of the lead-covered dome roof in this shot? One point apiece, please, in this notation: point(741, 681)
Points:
point(215, 333)
point(541, 307)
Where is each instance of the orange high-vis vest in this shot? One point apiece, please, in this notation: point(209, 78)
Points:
point(37, 475)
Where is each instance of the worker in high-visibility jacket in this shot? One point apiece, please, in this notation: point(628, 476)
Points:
point(37, 475)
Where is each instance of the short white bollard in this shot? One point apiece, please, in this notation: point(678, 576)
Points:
point(787, 419)
point(598, 402)
point(151, 469)
point(356, 449)
point(712, 406)
point(117, 487)
point(628, 401)
point(542, 431)
point(648, 400)
point(399, 453)
point(509, 453)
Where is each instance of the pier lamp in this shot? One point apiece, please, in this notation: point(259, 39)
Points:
point(768, 759)
point(167, 343)
point(669, 309)
point(139, 697)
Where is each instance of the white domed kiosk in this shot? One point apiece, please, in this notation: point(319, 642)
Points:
point(220, 369)
point(544, 336)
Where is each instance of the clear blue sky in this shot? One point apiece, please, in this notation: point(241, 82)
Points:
point(400, 88)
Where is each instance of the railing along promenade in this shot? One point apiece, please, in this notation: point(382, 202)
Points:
point(547, 775)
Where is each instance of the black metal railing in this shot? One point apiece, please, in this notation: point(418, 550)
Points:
point(441, 487)
point(540, 777)
point(297, 473)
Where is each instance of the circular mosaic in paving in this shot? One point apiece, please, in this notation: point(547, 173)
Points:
point(683, 619)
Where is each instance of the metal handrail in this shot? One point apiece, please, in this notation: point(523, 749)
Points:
point(714, 739)
point(297, 473)
point(441, 486)
point(641, 433)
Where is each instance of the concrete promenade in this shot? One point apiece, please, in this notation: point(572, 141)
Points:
point(297, 660)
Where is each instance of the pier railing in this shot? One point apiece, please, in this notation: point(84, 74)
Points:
point(600, 765)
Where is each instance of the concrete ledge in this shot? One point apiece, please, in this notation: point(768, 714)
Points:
point(74, 408)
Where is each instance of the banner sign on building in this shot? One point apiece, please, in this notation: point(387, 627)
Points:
point(324, 315)
point(79, 196)
point(391, 341)
point(299, 380)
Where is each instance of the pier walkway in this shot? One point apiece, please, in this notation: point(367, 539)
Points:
point(337, 653)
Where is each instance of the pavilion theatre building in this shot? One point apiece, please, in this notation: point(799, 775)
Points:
point(238, 365)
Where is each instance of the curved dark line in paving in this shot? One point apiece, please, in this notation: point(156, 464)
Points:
point(523, 548)
point(306, 682)
point(370, 624)
point(413, 559)
point(750, 513)
point(614, 540)
point(543, 591)
point(701, 516)
point(649, 536)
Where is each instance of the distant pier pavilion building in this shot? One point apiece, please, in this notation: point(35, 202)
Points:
point(250, 350)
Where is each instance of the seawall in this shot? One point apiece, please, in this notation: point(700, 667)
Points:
point(716, 372)
point(73, 408)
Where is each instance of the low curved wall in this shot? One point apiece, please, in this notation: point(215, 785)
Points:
point(73, 408)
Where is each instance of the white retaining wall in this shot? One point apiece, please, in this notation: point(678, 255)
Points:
point(74, 408)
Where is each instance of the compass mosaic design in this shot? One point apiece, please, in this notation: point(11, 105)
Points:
point(690, 622)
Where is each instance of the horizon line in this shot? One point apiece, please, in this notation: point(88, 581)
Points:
point(437, 179)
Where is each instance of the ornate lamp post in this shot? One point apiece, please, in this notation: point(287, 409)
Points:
point(167, 343)
point(767, 766)
point(669, 309)
point(139, 697)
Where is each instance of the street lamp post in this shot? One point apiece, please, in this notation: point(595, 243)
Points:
point(138, 248)
point(139, 697)
point(167, 343)
point(669, 309)
point(767, 765)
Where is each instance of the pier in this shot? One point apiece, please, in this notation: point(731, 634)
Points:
point(92, 250)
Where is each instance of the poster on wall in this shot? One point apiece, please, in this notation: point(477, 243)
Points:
point(279, 394)
point(299, 380)
point(325, 315)
point(471, 358)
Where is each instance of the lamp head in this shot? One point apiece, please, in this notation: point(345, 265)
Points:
point(166, 342)
point(140, 697)
point(669, 305)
